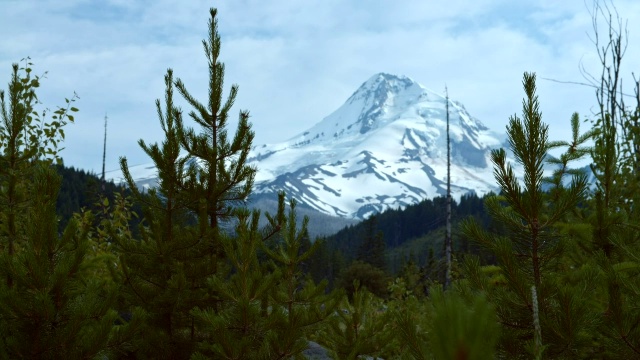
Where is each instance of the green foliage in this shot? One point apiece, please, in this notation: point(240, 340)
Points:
point(264, 313)
point(358, 328)
point(238, 328)
point(56, 306)
point(531, 253)
point(53, 304)
point(220, 178)
point(613, 243)
point(83, 190)
point(405, 232)
point(449, 327)
point(303, 304)
point(199, 285)
point(25, 133)
point(462, 331)
point(371, 250)
point(613, 211)
point(367, 275)
point(556, 273)
point(415, 281)
point(164, 271)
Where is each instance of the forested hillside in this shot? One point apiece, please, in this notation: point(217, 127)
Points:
point(393, 235)
point(550, 269)
point(401, 225)
point(84, 190)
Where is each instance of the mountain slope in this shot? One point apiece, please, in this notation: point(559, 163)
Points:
point(384, 148)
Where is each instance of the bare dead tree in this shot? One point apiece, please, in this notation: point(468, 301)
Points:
point(610, 53)
point(104, 147)
point(447, 241)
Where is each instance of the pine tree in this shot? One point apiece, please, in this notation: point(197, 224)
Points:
point(164, 271)
point(360, 328)
point(414, 278)
point(267, 311)
point(304, 306)
point(319, 265)
point(371, 250)
point(220, 178)
point(531, 254)
point(447, 327)
point(239, 326)
point(51, 303)
point(203, 178)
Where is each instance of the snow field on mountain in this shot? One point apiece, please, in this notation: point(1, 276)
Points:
point(385, 147)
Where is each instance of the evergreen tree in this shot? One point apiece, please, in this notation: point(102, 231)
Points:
point(303, 305)
point(164, 271)
point(367, 276)
point(182, 242)
point(447, 327)
point(337, 264)
point(430, 270)
point(264, 313)
point(51, 303)
point(612, 217)
point(320, 263)
point(219, 178)
point(371, 250)
point(360, 328)
point(530, 256)
point(238, 328)
point(414, 278)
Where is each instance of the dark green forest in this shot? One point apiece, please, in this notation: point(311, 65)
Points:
point(546, 268)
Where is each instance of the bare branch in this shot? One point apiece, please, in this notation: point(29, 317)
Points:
point(581, 84)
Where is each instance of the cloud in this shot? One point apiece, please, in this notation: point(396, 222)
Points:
point(296, 62)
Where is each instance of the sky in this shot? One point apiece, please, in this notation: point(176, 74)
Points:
point(297, 61)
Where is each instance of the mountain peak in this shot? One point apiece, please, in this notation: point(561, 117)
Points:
point(389, 80)
point(380, 87)
point(383, 148)
point(372, 100)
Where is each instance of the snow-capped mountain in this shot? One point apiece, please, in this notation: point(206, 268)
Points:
point(384, 148)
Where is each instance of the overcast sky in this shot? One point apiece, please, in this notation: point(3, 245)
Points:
point(297, 61)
